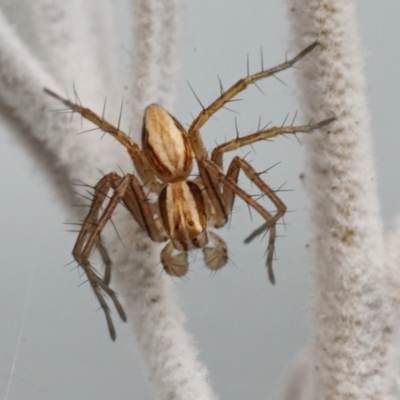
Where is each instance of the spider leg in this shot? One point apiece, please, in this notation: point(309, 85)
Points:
point(143, 211)
point(264, 134)
point(133, 149)
point(99, 196)
point(89, 237)
point(106, 259)
point(225, 204)
point(235, 89)
point(219, 215)
point(233, 170)
point(231, 188)
point(109, 181)
point(128, 190)
point(209, 181)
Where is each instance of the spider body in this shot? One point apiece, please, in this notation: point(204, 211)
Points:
point(184, 216)
point(165, 146)
point(185, 209)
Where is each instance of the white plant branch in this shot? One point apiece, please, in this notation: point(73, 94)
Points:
point(158, 38)
point(53, 44)
point(351, 349)
point(393, 283)
point(393, 261)
point(152, 309)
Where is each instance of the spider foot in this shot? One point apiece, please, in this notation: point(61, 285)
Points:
point(270, 252)
point(100, 289)
point(271, 245)
point(257, 232)
point(113, 296)
point(271, 275)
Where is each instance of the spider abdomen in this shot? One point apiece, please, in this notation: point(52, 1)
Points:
point(165, 145)
point(183, 214)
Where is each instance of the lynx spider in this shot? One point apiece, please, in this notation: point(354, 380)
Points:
point(185, 208)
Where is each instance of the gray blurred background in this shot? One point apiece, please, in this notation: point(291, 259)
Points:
point(248, 331)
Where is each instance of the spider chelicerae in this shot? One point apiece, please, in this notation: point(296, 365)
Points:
point(185, 208)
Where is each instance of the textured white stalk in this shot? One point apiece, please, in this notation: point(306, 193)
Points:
point(21, 91)
point(352, 324)
point(50, 136)
point(156, 28)
point(158, 323)
point(58, 43)
point(63, 37)
point(393, 282)
point(168, 38)
point(393, 260)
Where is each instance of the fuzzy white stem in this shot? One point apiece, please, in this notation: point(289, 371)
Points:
point(393, 283)
point(22, 79)
point(393, 261)
point(352, 328)
point(153, 312)
point(23, 75)
point(156, 29)
point(65, 38)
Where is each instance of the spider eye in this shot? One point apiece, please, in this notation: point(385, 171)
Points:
point(177, 227)
point(191, 223)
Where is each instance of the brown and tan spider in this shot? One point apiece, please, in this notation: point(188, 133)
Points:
point(185, 208)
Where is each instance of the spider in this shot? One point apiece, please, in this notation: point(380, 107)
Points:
point(185, 208)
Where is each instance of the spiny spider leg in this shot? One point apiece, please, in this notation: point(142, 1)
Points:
point(231, 189)
point(143, 211)
point(210, 185)
point(128, 190)
point(235, 89)
point(84, 246)
point(106, 260)
point(257, 232)
point(218, 152)
point(238, 142)
point(99, 196)
point(133, 149)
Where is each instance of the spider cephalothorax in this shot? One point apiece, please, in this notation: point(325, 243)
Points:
point(185, 208)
